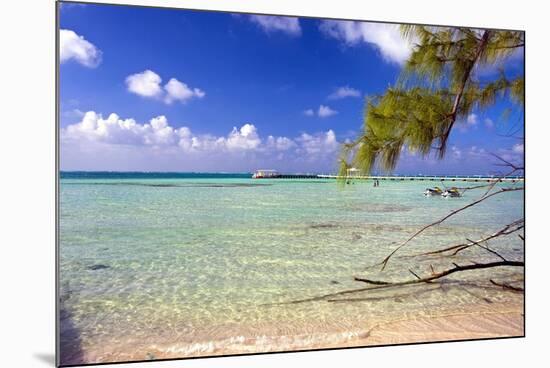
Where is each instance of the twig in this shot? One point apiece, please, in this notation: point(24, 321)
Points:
point(457, 268)
point(506, 230)
point(454, 212)
point(378, 285)
point(506, 286)
point(487, 249)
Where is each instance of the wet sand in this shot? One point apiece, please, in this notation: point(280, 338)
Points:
point(478, 322)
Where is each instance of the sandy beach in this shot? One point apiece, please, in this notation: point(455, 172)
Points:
point(476, 322)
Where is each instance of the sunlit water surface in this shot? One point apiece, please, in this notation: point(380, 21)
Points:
point(188, 266)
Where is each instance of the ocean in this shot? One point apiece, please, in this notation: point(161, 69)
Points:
point(156, 265)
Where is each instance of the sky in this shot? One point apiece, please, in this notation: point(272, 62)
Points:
point(151, 89)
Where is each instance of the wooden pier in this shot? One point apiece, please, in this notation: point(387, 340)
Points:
point(293, 176)
point(484, 179)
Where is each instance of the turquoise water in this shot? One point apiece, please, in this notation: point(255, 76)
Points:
point(161, 266)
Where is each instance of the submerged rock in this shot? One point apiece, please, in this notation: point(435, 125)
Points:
point(98, 267)
point(355, 237)
point(323, 226)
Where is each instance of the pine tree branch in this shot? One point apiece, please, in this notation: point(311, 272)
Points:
point(454, 112)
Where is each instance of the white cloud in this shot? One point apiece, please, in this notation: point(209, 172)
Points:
point(386, 38)
point(245, 138)
point(325, 111)
point(343, 92)
point(115, 143)
point(268, 23)
point(158, 133)
point(178, 91)
point(489, 123)
point(76, 47)
point(513, 154)
point(74, 113)
point(148, 84)
point(280, 143)
point(471, 120)
point(309, 112)
point(320, 143)
point(518, 148)
point(456, 152)
point(114, 130)
point(477, 151)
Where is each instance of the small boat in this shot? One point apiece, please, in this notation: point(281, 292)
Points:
point(452, 192)
point(436, 191)
point(265, 174)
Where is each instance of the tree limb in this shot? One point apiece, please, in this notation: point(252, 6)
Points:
point(506, 286)
point(457, 268)
point(379, 285)
point(506, 230)
point(454, 212)
point(454, 112)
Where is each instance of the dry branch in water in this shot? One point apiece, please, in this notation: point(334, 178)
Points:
point(506, 286)
point(379, 285)
point(506, 230)
point(454, 212)
point(439, 275)
point(435, 276)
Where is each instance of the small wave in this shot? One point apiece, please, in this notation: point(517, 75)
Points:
point(264, 343)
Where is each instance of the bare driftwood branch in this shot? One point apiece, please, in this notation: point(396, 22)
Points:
point(506, 230)
point(485, 247)
point(379, 285)
point(507, 163)
point(456, 268)
point(506, 286)
point(452, 213)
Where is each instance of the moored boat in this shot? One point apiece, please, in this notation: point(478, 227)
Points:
point(435, 191)
point(263, 174)
point(451, 192)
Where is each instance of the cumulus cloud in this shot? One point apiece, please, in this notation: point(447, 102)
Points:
point(470, 122)
point(324, 143)
point(477, 151)
point(456, 152)
point(518, 148)
point(158, 138)
point(322, 112)
point(325, 111)
point(148, 84)
point(245, 138)
point(489, 123)
point(75, 47)
point(386, 38)
point(288, 25)
point(114, 130)
point(280, 143)
point(178, 91)
point(343, 92)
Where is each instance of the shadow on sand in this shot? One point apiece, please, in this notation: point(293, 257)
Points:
point(70, 347)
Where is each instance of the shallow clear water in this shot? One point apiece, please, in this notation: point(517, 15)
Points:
point(186, 265)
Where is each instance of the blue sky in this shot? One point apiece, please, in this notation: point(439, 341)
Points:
point(147, 89)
